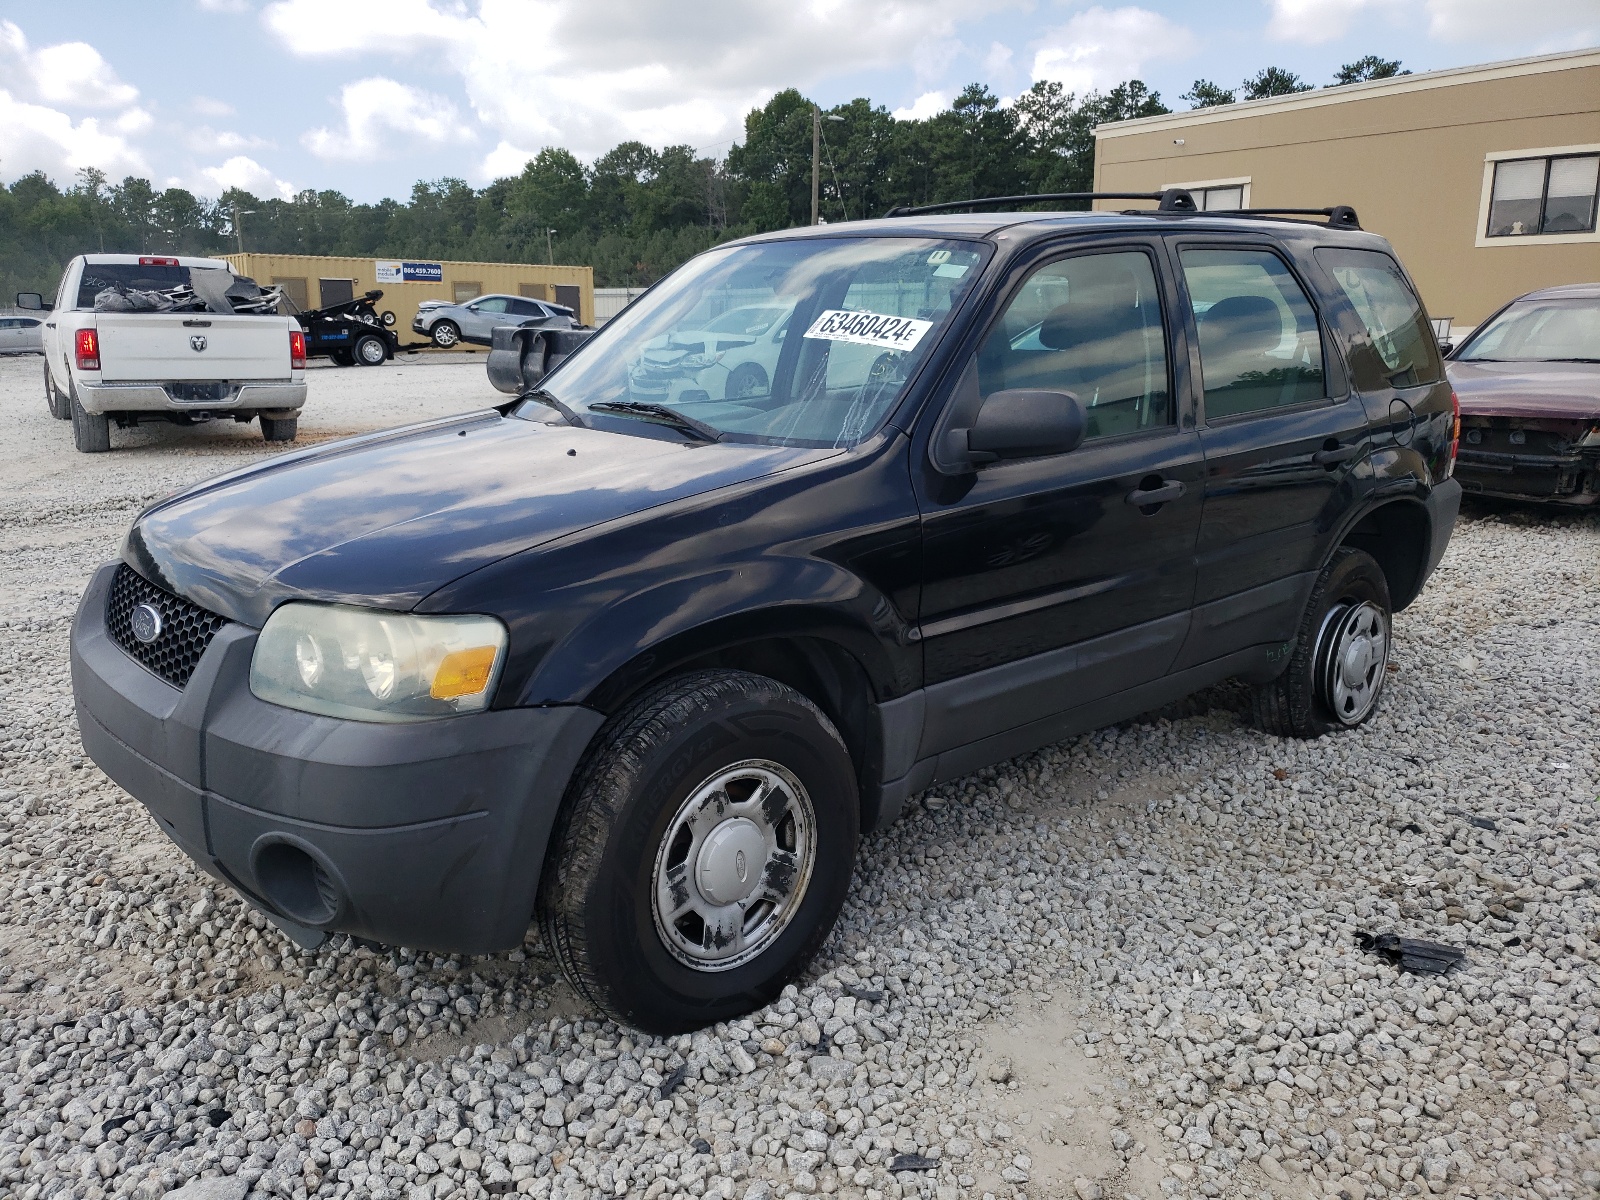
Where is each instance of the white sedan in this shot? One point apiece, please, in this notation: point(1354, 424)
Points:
point(21, 335)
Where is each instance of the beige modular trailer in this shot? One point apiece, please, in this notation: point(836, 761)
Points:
point(314, 280)
point(1484, 178)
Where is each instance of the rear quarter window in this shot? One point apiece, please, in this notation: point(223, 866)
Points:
point(1399, 350)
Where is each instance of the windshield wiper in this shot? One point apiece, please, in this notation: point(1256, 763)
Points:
point(540, 396)
point(661, 414)
point(1576, 360)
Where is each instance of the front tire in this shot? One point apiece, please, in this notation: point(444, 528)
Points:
point(446, 334)
point(1337, 672)
point(704, 851)
point(54, 400)
point(91, 432)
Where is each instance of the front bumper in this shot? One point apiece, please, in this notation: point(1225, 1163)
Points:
point(1567, 479)
point(429, 835)
point(154, 397)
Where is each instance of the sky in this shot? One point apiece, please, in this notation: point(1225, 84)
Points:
point(368, 96)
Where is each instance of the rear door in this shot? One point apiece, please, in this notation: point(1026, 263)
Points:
point(1047, 583)
point(140, 347)
point(1283, 435)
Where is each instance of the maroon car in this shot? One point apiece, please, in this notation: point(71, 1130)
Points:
point(1529, 383)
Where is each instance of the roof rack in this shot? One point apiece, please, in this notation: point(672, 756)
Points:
point(1171, 200)
point(1340, 216)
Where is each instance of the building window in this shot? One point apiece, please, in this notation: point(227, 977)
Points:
point(1534, 196)
point(1216, 199)
point(1216, 195)
point(463, 290)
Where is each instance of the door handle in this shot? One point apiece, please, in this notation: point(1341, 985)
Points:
point(1167, 490)
point(1333, 453)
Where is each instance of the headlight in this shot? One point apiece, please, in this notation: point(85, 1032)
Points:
point(376, 666)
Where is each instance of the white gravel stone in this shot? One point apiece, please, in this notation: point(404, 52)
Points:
point(1190, 889)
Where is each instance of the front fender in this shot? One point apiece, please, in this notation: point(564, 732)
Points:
point(607, 655)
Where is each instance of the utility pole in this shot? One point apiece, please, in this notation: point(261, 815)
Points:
point(549, 247)
point(816, 157)
point(238, 226)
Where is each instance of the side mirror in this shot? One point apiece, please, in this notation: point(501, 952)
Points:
point(1025, 423)
point(31, 301)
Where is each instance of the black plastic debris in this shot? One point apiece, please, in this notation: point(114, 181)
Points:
point(1512, 941)
point(111, 1123)
point(674, 1081)
point(913, 1162)
point(1410, 954)
point(1411, 827)
point(865, 995)
point(701, 1146)
point(501, 1187)
point(1482, 823)
point(217, 1117)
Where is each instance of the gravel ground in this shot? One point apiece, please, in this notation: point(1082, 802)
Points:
point(1123, 966)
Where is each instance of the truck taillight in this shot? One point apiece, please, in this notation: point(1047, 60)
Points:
point(297, 350)
point(88, 348)
point(158, 262)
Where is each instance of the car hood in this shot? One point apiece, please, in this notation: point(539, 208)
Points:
point(387, 519)
point(1536, 390)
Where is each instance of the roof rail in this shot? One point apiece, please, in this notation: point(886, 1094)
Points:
point(1340, 216)
point(1171, 200)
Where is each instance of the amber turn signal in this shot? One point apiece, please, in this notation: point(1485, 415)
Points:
point(463, 673)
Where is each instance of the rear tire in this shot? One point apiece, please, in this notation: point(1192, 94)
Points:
point(446, 334)
point(91, 432)
point(343, 358)
point(369, 351)
point(54, 400)
point(717, 792)
point(280, 429)
point(1337, 672)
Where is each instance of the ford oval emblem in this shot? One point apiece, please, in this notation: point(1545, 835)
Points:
point(145, 620)
point(197, 342)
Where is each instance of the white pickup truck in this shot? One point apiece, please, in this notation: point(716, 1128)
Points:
point(206, 363)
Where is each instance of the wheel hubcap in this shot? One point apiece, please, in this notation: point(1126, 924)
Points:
point(372, 352)
point(733, 865)
point(1355, 653)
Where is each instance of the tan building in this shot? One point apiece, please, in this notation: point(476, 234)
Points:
point(1484, 178)
point(313, 281)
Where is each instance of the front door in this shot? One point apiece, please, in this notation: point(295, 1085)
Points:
point(485, 315)
point(1066, 578)
point(1283, 433)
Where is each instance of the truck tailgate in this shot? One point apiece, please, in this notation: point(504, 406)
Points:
point(144, 347)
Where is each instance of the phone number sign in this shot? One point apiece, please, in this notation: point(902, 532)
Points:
point(410, 272)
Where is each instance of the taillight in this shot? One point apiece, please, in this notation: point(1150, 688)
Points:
point(88, 347)
point(297, 350)
point(1455, 433)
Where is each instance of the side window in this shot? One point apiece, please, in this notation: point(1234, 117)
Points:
point(521, 308)
point(1260, 347)
point(1397, 328)
point(495, 304)
point(1090, 325)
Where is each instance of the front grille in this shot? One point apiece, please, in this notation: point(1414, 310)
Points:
point(186, 629)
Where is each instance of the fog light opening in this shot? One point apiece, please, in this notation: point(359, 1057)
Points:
point(295, 883)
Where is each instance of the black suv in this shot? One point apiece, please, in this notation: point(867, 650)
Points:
point(642, 653)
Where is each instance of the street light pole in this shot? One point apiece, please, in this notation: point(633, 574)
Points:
point(549, 247)
point(238, 226)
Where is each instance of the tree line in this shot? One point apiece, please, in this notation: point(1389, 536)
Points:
point(636, 212)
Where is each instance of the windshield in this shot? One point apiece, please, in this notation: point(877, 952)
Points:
point(1539, 331)
point(716, 341)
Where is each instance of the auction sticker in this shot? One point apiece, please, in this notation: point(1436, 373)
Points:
point(868, 329)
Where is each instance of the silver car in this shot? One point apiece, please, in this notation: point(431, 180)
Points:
point(447, 324)
point(21, 335)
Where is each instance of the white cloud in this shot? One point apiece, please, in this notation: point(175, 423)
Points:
point(377, 108)
point(74, 74)
point(208, 106)
point(244, 172)
point(225, 6)
point(203, 139)
point(1100, 47)
point(36, 138)
point(924, 106)
point(505, 159)
point(586, 76)
point(1548, 26)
